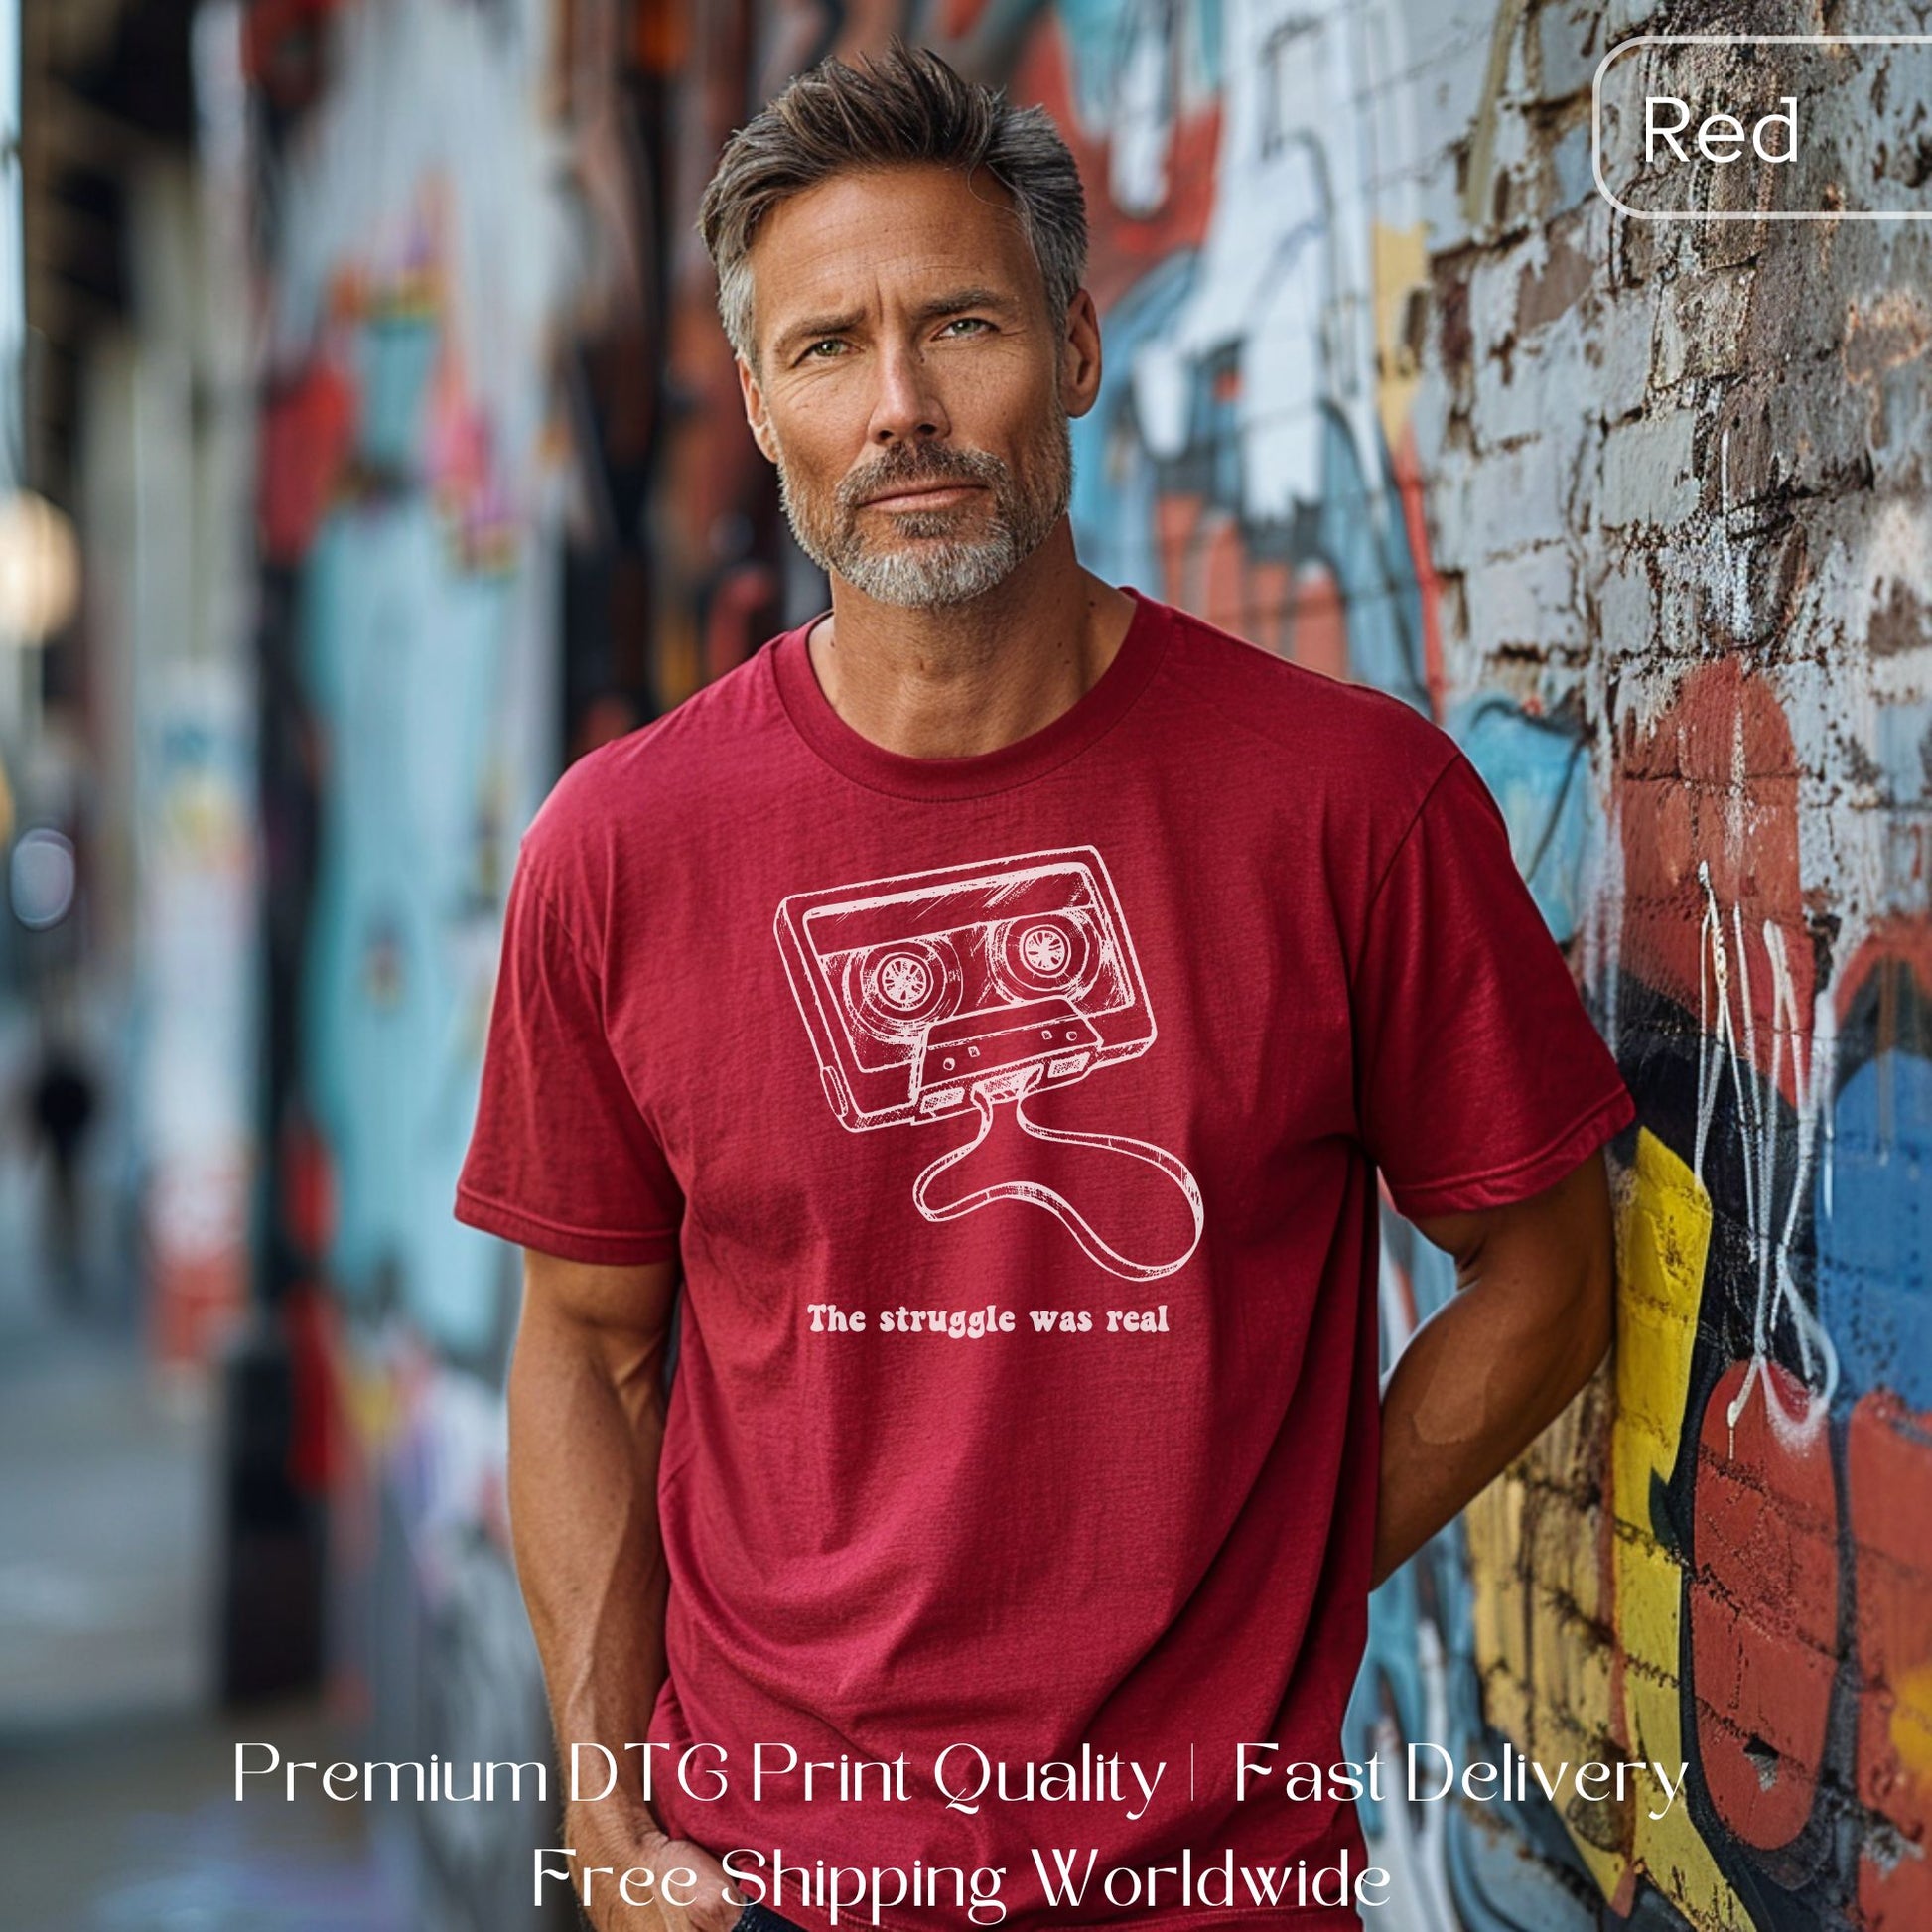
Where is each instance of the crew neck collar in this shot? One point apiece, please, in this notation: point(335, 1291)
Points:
point(1016, 764)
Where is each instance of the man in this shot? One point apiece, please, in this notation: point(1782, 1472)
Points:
point(992, 1003)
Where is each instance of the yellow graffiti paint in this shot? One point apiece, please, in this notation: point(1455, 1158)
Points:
point(1548, 1573)
point(1663, 1243)
point(1537, 1578)
point(1911, 1730)
point(1401, 266)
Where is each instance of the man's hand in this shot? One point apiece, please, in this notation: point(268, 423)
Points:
point(585, 1425)
point(634, 1841)
point(1491, 1369)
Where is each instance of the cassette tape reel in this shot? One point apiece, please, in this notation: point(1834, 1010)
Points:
point(897, 989)
point(916, 987)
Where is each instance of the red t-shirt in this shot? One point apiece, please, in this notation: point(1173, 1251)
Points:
point(1115, 1022)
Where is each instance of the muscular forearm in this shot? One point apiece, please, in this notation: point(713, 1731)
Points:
point(1496, 1365)
point(586, 1424)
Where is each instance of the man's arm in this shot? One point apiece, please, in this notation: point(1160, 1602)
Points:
point(1490, 1371)
point(586, 1427)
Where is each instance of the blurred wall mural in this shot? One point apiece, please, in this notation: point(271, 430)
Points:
point(1637, 514)
point(420, 265)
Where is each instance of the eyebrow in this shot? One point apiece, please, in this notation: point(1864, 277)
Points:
point(954, 302)
point(960, 300)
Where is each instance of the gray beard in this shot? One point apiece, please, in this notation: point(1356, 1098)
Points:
point(930, 577)
point(934, 571)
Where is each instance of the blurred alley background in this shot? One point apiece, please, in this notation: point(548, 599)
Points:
point(371, 449)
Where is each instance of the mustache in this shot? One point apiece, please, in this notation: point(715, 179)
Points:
point(905, 468)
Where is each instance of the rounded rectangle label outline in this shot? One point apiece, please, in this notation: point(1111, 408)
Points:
point(1738, 40)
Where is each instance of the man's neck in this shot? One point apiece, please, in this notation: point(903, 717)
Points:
point(971, 677)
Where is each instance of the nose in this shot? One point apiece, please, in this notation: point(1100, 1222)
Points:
point(907, 408)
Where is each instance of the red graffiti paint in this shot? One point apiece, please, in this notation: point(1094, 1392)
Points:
point(307, 428)
point(1176, 521)
point(1205, 566)
point(1320, 637)
point(1888, 1483)
point(1714, 782)
point(1900, 945)
point(1764, 1603)
point(1406, 466)
point(1123, 248)
point(1270, 587)
point(1224, 575)
point(283, 48)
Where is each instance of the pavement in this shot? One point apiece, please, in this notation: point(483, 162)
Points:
point(116, 1764)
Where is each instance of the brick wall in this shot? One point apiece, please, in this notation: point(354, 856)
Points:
point(1638, 513)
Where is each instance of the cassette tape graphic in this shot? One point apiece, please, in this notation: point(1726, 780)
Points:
point(1001, 978)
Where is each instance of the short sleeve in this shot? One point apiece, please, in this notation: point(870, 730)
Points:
point(1480, 1078)
point(561, 1158)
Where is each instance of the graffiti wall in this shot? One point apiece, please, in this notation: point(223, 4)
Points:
point(1638, 514)
point(447, 231)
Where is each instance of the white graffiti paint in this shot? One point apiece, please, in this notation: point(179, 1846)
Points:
point(1724, 965)
point(1285, 278)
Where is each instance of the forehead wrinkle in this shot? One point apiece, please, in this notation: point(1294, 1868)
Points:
point(819, 253)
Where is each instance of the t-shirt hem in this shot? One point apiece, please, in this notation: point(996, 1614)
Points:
point(1519, 1179)
point(552, 1238)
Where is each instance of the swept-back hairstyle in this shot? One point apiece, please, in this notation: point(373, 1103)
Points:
point(896, 109)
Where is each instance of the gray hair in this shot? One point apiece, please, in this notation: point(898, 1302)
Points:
point(900, 108)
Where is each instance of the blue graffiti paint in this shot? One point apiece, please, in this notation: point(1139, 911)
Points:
point(405, 657)
point(396, 356)
point(1538, 771)
point(1874, 1231)
point(1115, 478)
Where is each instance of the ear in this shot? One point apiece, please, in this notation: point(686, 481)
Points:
point(1080, 355)
point(755, 411)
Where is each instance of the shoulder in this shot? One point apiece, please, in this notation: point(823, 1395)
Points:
point(618, 805)
point(1350, 741)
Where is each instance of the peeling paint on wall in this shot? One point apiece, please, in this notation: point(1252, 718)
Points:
point(1639, 514)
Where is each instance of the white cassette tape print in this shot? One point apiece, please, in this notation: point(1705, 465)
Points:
point(959, 989)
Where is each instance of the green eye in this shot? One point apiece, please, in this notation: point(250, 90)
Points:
point(967, 322)
point(831, 342)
